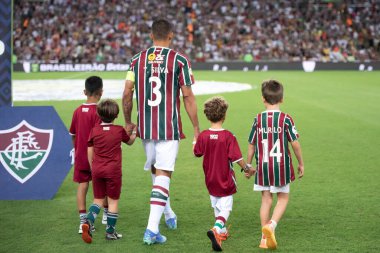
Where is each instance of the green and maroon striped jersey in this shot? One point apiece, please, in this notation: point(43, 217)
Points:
point(271, 131)
point(159, 73)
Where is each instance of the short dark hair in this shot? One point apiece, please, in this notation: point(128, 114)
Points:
point(107, 110)
point(215, 109)
point(272, 91)
point(94, 85)
point(161, 29)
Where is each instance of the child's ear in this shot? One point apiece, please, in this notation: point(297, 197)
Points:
point(85, 92)
point(263, 99)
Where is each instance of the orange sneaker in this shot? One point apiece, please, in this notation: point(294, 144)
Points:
point(224, 236)
point(263, 244)
point(86, 235)
point(216, 239)
point(270, 237)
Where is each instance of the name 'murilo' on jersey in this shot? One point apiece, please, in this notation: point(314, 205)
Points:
point(159, 74)
point(271, 131)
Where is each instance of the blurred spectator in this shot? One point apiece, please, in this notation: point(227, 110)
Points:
point(80, 31)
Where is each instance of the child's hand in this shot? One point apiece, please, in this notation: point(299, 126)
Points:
point(130, 128)
point(250, 173)
point(300, 171)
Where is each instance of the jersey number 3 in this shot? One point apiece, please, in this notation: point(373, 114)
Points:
point(156, 91)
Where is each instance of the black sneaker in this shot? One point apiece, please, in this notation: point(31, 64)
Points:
point(113, 236)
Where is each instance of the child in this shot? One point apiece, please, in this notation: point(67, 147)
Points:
point(268, 141)
point(104, 156)
point(84, 119)
point(220, 149)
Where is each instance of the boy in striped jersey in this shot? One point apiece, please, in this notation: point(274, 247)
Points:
point(158, 74)
point(268, 142)
point(219, 149)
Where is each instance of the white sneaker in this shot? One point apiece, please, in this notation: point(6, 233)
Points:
point(80, 231)
point(104, 219)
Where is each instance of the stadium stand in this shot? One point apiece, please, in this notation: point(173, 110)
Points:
point(80, 31)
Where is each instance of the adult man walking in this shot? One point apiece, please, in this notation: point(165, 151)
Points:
point(158, 74)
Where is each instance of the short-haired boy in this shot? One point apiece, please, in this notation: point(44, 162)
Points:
point(220, 150)
point(84, 119)
point(104, 156)
point(268, 142)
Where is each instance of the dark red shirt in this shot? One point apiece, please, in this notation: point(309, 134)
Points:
point(219, 149)
point(84, 119)
point(106, 140)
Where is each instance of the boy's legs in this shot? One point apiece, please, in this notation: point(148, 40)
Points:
point(112, 216)
point(279, 210)
point(266, 205)
point(82, 177)
point(222, 208)
point(93, 212)
point(105, 211)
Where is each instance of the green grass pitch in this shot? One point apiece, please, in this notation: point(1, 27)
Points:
point(334, 208)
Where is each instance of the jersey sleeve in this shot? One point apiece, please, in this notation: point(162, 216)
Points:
point(131, 70)
point(90, 142)
point(73, 129)
point(199, 147)
point(253, 134)
point(185, 73)
point(290, 128)
point(124, 135)
point(234, 153)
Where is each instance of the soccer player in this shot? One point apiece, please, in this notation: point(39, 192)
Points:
point(158, 74)
point(104, 156)
point(268, 142)
point(220, 150)
point(84, 119)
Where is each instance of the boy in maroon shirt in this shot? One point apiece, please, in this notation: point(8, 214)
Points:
point(220, 150)
point(104, 156)
point(84, 119)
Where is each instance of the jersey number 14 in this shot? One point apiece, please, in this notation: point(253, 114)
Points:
point(274, 152)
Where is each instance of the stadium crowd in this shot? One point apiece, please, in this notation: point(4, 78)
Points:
point(86, 31)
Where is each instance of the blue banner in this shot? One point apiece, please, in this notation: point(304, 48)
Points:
point(5, 52)
point(34, 152)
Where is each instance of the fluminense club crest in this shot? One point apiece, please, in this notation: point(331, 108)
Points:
point(24, 149)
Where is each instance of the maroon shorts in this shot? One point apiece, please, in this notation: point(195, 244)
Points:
point(103, 187)
point(82, 176)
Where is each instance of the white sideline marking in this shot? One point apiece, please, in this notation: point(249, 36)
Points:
point(64, 89)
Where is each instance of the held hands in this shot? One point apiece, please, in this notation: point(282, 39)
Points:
point(248, 174)
point(130, 128)
point(248, 170)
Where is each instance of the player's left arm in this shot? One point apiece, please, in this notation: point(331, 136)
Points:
point(191, 108)
point(298, 152)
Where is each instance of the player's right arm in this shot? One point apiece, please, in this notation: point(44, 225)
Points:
point(191, 108)
point(127, 100)
point(298, 152)
point(90, 155)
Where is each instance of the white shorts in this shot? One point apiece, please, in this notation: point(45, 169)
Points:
point(161, 154)
point(222, 203)
point(272, 189)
